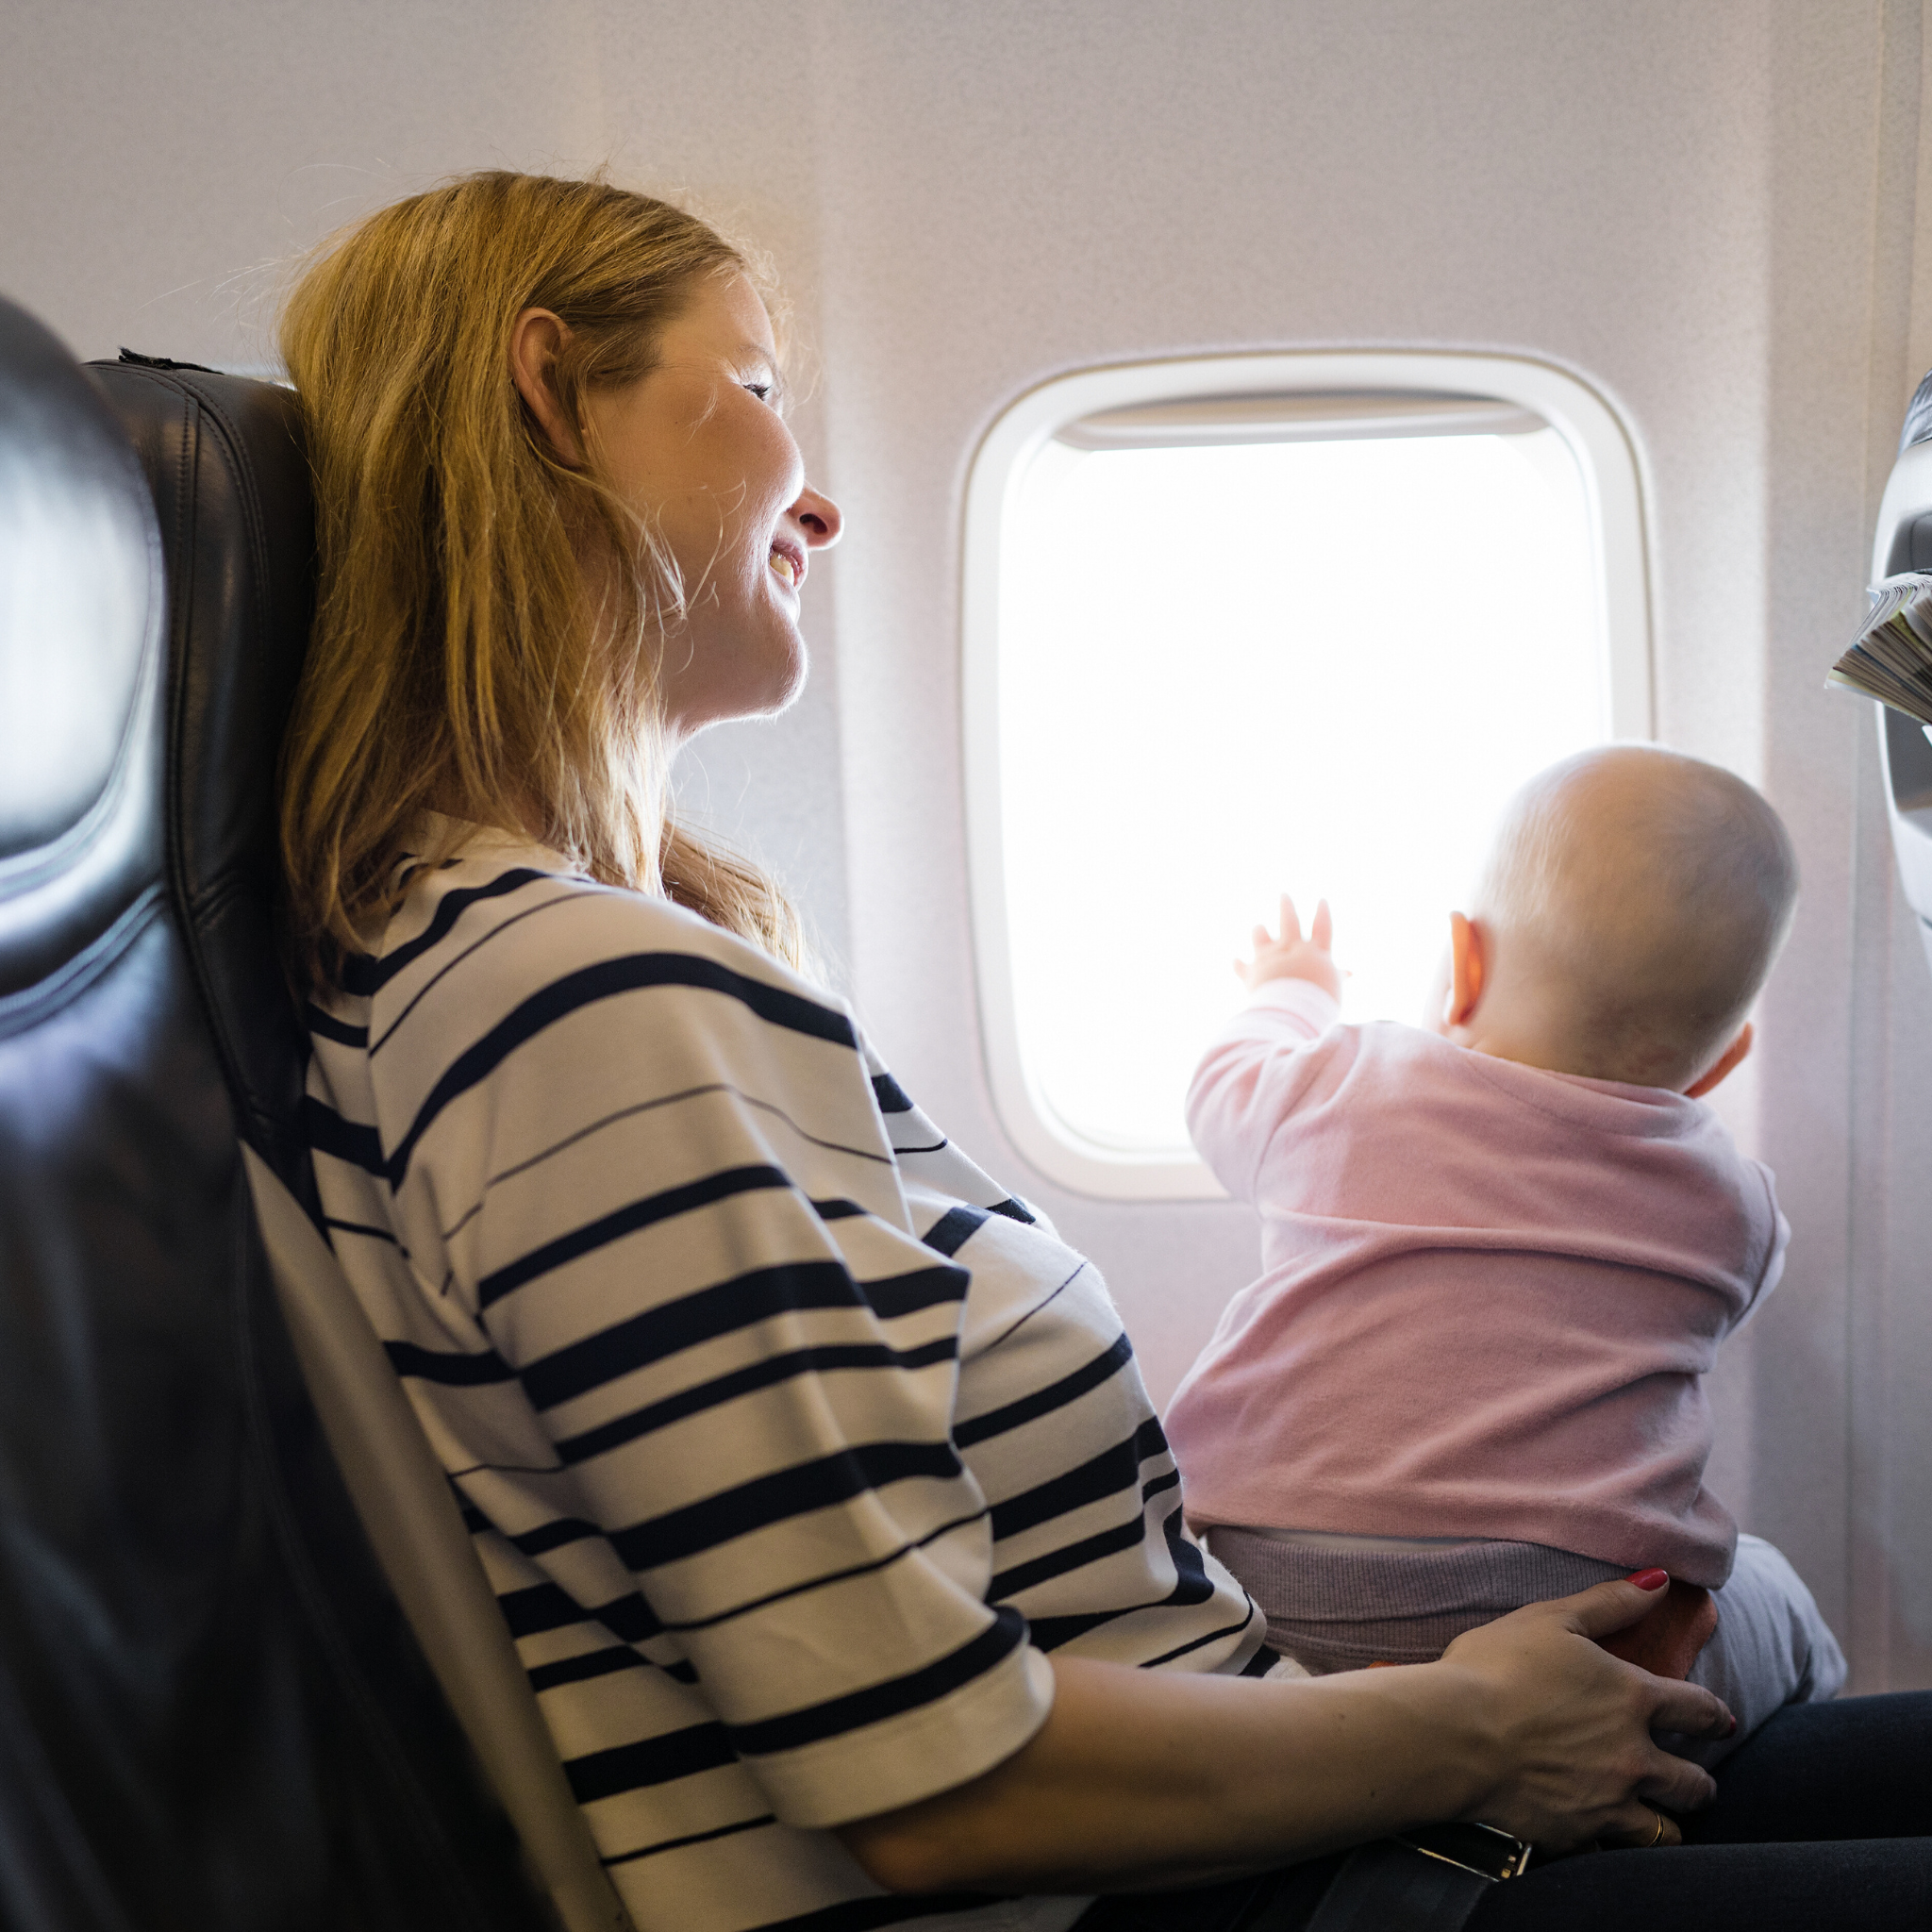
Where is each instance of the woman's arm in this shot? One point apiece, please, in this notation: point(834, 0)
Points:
point(1146, 1778)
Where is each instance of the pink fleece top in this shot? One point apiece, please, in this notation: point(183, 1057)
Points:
point(1489, 1299)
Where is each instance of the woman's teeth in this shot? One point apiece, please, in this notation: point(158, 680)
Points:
point(785, 567)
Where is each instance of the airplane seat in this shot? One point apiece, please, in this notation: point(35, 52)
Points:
point(214, 1713)
point(1902, 542)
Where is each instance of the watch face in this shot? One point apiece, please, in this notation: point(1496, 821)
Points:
point(1481, 1849)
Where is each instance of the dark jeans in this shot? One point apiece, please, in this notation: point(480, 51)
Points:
point(1820, 1824)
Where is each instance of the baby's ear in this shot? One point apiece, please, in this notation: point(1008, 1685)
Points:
point(1726, 1061)
point(1469, 965)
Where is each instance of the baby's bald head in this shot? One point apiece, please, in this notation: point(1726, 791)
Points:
point(1639, 897)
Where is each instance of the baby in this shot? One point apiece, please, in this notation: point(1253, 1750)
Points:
point(1500, 1254)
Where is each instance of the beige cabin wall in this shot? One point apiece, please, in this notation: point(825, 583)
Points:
point(1709, 212)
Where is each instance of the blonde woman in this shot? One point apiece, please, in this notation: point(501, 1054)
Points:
point(813, 1474)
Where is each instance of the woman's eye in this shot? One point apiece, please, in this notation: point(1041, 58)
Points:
point(764, 391)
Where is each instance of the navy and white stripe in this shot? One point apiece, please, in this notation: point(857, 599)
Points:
point(791, 1443)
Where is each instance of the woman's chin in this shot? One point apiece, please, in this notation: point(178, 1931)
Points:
point(794, 686)
point(784, 672)
point(773, 687)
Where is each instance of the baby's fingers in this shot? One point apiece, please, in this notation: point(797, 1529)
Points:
point(1323, 931)
point(1291, 924)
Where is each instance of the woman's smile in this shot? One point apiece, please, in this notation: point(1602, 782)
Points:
point(789, 562)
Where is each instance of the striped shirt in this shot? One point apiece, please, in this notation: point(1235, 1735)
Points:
point(791, 1443)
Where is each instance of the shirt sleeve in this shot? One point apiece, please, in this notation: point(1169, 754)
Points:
point(658, 1191)
point(1253, 1076)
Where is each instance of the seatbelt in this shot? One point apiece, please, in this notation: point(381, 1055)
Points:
point(1427, 1880)
point(404, 1498)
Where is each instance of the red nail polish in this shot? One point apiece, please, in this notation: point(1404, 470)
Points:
point(1649, 1579)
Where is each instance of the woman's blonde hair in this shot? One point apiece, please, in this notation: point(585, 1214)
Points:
point(456, 663)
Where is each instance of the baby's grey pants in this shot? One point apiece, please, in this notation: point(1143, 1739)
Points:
point(1342, 1609)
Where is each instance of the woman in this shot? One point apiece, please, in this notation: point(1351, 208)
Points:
point(814, 1475)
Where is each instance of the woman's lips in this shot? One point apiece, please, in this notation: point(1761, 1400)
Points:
point(788, 563)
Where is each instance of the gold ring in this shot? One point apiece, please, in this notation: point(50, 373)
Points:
point(1657, 1837)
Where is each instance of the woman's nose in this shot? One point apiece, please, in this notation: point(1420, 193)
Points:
point(818, 518)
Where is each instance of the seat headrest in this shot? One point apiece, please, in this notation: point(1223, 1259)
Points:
point(1904, 537)
point(224, 460)
point(1902, 542)
point(1918, 422)
point(80, 664)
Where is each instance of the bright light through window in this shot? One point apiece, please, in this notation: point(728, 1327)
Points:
point(1226, 671)
point(1318, 667)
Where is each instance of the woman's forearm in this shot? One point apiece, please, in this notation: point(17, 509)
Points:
point(1144, 1778)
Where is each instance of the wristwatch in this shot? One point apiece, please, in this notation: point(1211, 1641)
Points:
point(1481, 1849)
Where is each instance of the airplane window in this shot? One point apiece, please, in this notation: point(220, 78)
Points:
point(1221, 646)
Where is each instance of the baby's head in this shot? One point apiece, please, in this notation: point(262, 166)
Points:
point(1630, 909)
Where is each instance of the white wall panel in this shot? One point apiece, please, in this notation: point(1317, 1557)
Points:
point(1708, 212)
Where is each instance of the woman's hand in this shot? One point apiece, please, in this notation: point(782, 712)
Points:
point(1666, 1642)
point(1148, 1778)
point(1572, 1723)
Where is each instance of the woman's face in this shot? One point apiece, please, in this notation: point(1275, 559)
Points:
point(698, 449)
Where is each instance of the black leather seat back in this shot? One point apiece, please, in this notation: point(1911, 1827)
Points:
point(211, 1713)
point(230, 483)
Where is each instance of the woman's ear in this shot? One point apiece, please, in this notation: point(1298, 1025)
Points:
point(1725, 1062)
point(1469, 967)
point(535, 339)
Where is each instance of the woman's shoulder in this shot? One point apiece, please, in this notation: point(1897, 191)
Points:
point(498, 881)
point(507, 981)
point(511, 917)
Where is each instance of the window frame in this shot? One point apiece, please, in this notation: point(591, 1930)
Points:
point(1607, 459)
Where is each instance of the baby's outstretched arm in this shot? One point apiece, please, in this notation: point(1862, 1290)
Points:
point(1256, 1069)
point(1289, 956)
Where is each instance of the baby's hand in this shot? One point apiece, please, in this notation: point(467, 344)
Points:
point(1290, 956)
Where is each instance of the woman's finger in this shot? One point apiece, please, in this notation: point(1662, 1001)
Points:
point(1608, 1607)
point(1688, 1707)
point(1674, 1706)
point(1676, 1785)
point(1644, 1827)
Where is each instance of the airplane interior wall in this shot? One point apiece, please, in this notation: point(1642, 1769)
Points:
point(1707, 211)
